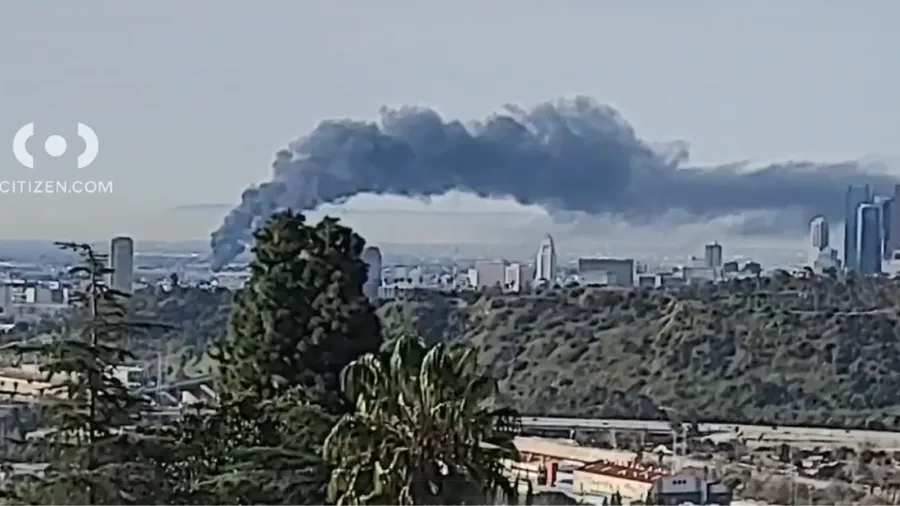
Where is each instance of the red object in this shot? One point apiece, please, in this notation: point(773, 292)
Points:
point(552, 469)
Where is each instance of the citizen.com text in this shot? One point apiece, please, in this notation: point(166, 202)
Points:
point(54, 187)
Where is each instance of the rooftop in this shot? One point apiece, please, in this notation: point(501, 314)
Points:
point(632, 471)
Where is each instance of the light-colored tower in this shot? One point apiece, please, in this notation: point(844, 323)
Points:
point(372, 257)
point(819, 238)
point(545, 264)
point(713, 255)
point(819, 233)
point(121, 261)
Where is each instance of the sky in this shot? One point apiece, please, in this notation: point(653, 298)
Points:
point(190, 100)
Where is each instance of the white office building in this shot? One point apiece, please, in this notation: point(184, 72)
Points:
point(518, 278)
point(488, 274)
point(545, 264)
point(121, 261)
point(819, 238)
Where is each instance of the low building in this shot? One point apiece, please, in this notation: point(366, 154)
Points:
point(609, 474)
point(697, 275)
point(489, 274)
point(629, 481)
point(518, 278)
point(618, 271)
point(682, 489)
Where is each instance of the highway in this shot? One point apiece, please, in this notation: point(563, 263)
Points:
point(752, 434)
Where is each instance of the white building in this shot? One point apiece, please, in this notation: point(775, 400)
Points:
point(372, 258)
point(518, 278)
point(545, 263)
point(121, 261)
point(609, 271)
point(399, 278)
point(819, 238)
point(488, 274)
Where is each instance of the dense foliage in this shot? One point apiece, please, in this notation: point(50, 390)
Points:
point(289, 373)
point(302, 316)
point(94, 453)
point(323, 399)
point(780, 350)
point(424, 430)
point(810, 350)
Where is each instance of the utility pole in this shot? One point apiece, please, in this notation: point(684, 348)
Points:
point(159, 379)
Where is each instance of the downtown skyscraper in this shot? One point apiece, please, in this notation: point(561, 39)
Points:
point(856, 196)
point(869, 240)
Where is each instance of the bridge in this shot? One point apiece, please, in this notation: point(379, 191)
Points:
point(752, 434)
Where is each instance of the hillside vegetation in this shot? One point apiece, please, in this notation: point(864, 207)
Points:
point(785, 350)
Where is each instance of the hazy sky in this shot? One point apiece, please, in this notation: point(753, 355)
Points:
point(191, 99)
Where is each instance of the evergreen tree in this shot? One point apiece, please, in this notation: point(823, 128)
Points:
point(92, 418)
point(302, 315)
point(298, 321)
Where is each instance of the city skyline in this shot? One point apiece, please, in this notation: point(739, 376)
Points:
point(189, 112)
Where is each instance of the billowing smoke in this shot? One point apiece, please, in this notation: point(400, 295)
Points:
point(569, 156)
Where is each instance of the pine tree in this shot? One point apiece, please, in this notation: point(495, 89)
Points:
point(298, 321)
point(92, 441)
point(302, 315)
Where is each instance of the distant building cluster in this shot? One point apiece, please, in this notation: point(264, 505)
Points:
point(389, 281)
point(871, 235)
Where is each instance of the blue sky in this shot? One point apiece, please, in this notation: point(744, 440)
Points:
point(192, 99)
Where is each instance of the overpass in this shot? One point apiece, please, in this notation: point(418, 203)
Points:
point(753, 434)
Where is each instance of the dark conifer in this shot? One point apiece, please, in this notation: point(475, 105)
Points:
point(92, 419)
point(298, 321)
point(302, 315)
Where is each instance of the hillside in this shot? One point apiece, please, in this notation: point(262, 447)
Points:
point(782, 350)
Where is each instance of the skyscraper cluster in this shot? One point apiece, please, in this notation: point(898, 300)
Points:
point(871, 232)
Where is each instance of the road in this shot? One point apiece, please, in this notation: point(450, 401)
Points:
point(753, 434)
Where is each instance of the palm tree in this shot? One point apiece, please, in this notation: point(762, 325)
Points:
point(423, 431)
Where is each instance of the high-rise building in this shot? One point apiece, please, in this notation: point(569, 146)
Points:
point(819, 233)
point(868, 239)
point(821, 255)
point(894, 225)
point(886, 204)
point(545, 264)
point(856, 196)
point(121, 261)
point(372, 258)
point(819, 237)
point(713, 255)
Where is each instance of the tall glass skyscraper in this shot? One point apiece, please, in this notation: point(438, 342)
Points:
point(856, 196)
point(869, 244)
point(887, 212)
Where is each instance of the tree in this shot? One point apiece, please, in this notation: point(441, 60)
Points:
point(301, 317)
point(424, 430)
point(92, 444)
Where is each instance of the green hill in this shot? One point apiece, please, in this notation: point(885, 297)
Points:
point(780, 351)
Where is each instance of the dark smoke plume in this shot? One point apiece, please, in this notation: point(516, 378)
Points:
point(572, 155)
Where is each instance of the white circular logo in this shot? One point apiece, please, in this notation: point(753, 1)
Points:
point(56, 145)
